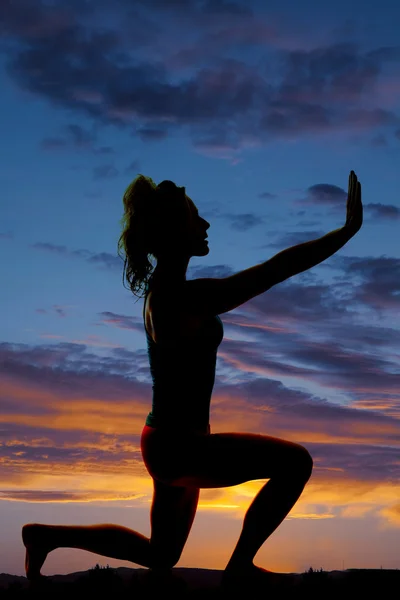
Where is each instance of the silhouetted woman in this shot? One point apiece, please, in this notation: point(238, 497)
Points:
point(183, 332)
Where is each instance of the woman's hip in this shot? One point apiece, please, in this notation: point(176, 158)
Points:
point(168, 450)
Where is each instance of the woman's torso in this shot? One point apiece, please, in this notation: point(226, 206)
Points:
point(182, 350)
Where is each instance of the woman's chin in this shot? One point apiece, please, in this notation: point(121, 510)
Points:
point(203, 251)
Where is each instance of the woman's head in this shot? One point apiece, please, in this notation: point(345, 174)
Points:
point(159, 221)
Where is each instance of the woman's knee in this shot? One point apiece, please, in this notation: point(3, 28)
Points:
point(303, 462)
point(164, 557)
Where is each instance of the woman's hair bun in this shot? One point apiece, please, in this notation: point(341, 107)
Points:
point(166, 186)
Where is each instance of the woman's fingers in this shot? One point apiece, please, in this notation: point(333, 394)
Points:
point(351, 184)
point(354, 215)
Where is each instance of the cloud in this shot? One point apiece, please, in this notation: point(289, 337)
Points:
point(377, 286)
point(64, 497)
point(392, 514)
point(105, 259)
point(322, 193)
point(59, 310)
point(70, 414)
point(260, 401)
point(379, 140)
point(221, 7)
point(31, 19)
point(148, 134)
point(56, 248)
point(326, 194)
point(133, 167)
point(267, 195)
point(121, 321)
point(105, 172)
point(120, 76)
point(53, 143)
point(244, 221)
point(78, 138)
point(384, 211)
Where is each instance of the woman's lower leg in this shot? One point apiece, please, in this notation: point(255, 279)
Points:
point(268, 509)
point(113, 541)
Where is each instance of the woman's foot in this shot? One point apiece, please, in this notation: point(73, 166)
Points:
point(250, 574)
point(165, 579)
point(37, 543)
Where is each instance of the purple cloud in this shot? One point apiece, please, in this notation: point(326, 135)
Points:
point(121, 321)
point(326, 194)
point(59, 375)
point(105, 259)
point(115, 77)
point(384, 211)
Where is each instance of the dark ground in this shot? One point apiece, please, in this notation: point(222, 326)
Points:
point(121, 583)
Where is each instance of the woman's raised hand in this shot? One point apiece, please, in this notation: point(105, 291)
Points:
point(354, 216)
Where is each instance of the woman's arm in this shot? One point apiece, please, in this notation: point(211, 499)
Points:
point(299, 258)
point(214, 296)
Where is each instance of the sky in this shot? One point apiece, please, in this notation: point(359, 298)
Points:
point(260, 110)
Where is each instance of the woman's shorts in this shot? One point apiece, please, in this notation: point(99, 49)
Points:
point(171, 452)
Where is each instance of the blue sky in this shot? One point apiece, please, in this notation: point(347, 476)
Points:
point(261, 111)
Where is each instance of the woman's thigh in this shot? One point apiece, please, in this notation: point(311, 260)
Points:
point(226, 459)
point(223, 459)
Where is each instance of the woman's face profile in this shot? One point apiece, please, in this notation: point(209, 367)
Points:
point(185, 230)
